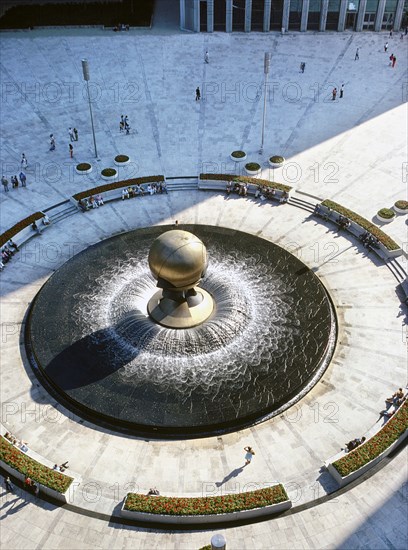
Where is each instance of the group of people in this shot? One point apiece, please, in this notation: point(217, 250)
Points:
point(90, 202)
point(120, 27)
point(353, 444)
point(343, 222)
point(22, 445)
point(369, 240)
point(7, 252)
point(124, 125)
point(14, 181)
point(136, 190)
point(61, 467)
point(239, 188)
point(393, 403)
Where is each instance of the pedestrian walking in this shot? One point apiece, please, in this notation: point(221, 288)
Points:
point(71, 150)
point(391, 31)
point(4, 182)
point(402, 36)
point(24, 161)
point(386, 46)
point(334, 94)
point(206, 57)
point(357, 56)
point(127, 125)
point(23, 178)
point(249, 454)
point(75, 134)
point(302, 67)
point(71, 134)
point(198, 94)
point(341, 91)
point(14, 182)
point(36, 489)
point(7, 483)
point(394, 60)
point(122, 123)
point(52, 142)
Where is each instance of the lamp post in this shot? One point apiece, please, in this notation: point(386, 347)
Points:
point(267, 61)
point(85, 70)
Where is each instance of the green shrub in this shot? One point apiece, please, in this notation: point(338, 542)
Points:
point(175, 506)
point(109, 172)
point(238, 154)
point(389, 243)
point(83, 166)
point(277, 159)
point(121, 158)
point(402, 205)
point(386, 213)
point(253, 166)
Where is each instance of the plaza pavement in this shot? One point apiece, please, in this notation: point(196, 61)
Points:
point(352, 150)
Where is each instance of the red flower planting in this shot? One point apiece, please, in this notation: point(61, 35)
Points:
point(199, 506)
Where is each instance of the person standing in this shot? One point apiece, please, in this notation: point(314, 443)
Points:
point(206, 57)
point(341, 91)
point(75, 134)
point(71, 150)
point(23, 179)
point(249, 454)
point(302, 67)
point(393, 61)
point(24, 161)
point(386, 46)
point(357, 56)
point(334, 94)
point(71, 134)
point(52, 142)
point(198, 94)
point(4, 182)
point(7, 483)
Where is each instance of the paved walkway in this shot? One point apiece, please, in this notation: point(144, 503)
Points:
point(351, 150)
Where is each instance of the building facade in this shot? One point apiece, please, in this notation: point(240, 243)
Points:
point(292, 15)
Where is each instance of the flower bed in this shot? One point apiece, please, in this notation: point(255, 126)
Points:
point(109, 173)
point(276, 161)
point(389, 243)
point(245, 179)
point(252, 167)
point(10, 233)
point(372, 448)
point(116, 185)
point(25, 465)
point(121, 160)
point(204, 506)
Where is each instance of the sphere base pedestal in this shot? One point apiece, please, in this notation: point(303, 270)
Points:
point(178, 313)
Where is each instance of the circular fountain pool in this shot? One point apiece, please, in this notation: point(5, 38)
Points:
point(267, 342)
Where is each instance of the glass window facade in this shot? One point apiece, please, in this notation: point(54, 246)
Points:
point(389, 14)
point(238, 15)
point(257, 14)
point(276, 14)
point(313, 18)
point(333, 13)
point(219, 15)
point(295, 14)
point(370, 15)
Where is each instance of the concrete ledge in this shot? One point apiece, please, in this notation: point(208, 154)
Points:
point(342, 481)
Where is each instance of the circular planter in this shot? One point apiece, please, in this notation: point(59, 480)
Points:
point(83, 168)
point(121, 160)
point(276, 161)
point(252, 168)
point(401, 207)
point(238, 156)
point(386, 215)
point(109, 174)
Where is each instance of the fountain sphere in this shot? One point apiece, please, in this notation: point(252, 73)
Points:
point(178, 260)
point(93, 339)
